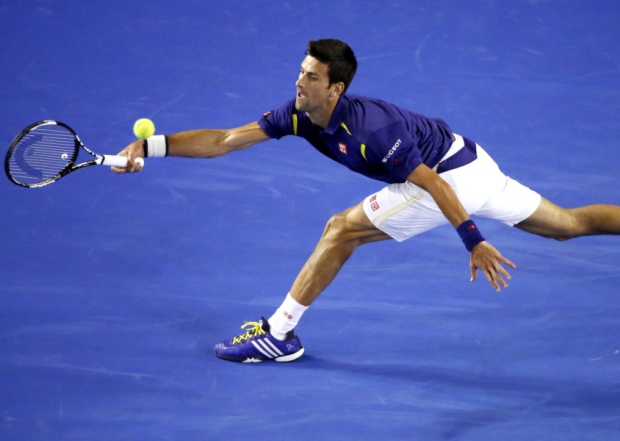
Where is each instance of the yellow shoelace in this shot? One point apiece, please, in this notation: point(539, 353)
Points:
point(256, 330)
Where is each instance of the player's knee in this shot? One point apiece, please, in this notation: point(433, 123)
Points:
point(335, 227)
point(575, 223)
point(337, 231)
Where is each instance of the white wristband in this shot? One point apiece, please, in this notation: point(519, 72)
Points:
point(156, 146)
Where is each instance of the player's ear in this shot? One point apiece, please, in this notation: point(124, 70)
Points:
point(337, 89)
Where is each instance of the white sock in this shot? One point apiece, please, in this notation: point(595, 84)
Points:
point(286, 317)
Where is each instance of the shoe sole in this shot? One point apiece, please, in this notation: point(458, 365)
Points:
point(283, 359)
point(290, 357)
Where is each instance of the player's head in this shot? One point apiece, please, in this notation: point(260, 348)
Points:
point(339, 58)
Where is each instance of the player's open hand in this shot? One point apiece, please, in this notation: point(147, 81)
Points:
point(485, 257)
point(134, 153)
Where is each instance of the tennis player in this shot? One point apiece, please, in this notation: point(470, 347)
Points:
point(433, 175)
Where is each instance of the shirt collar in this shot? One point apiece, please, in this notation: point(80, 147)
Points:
point(338, 115)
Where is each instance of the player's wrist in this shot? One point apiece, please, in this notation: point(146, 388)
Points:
point(156, 146)
point(469, 234)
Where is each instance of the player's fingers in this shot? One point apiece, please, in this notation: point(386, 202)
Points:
point(492, 280)
point(474, 273)
point(508, 262)
point(496, 274)
point(134, 164)
point(137, 164)
point(503, 272)
point(119, 170)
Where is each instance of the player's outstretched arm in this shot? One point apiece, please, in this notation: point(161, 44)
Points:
point(202, 143)
point(483, 255)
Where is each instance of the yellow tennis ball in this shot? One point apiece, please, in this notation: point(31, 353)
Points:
point(143, 128)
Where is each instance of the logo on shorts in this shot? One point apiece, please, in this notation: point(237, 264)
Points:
point(343, 147)
point(374, 205)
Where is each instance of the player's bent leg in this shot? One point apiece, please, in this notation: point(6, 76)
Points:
point(343, 233)
point(552, 221)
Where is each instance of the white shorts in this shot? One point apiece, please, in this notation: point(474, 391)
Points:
point(405, 210)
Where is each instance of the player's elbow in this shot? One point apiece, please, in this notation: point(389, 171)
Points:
point(220, 145)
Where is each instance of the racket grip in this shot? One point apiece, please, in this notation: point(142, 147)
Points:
point(114, 161)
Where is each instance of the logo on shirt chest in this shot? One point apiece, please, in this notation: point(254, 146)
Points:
point(343, 148)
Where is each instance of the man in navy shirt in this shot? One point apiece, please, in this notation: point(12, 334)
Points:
point(434, 177)
point(367, 135)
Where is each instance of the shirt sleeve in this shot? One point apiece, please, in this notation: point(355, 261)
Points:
point(279, 122)
point(395, 149)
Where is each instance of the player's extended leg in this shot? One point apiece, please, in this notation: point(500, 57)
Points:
point(343, 233)
point(552, 221)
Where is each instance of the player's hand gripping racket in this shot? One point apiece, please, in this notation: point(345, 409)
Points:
point(46, 151)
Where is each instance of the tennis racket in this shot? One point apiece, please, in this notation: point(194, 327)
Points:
point(46, 151)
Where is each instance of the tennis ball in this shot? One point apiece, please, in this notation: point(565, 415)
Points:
point(143, 128)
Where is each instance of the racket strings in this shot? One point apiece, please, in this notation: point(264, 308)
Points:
point(42, 154)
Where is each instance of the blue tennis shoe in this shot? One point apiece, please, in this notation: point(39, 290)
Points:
point(257, 344)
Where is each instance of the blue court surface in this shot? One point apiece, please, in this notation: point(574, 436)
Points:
point(114, 289)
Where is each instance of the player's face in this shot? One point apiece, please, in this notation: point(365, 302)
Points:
point(313, 90)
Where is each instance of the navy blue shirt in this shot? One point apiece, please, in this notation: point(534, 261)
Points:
point(367, 135)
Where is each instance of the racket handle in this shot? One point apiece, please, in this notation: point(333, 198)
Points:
point(114, 161)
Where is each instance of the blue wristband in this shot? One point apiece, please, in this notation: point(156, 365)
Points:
point(470, 235)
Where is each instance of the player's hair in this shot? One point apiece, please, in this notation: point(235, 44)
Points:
point(338, 56)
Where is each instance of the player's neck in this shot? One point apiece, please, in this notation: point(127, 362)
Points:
point(321, 117)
